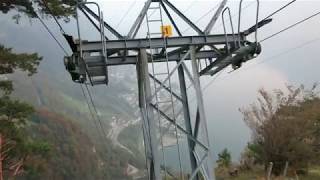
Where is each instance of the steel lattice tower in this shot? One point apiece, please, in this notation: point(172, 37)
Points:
point(158, 59)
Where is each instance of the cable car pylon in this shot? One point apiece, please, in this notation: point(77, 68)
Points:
point(169, 56)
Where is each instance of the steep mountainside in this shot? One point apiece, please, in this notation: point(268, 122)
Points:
point(73, 154)
point(80, 149)
point(64, 114)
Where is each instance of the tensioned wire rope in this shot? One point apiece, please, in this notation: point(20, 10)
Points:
point(90, 96)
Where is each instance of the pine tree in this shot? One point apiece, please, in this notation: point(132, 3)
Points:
point(224, 158)
point(59, 8)
point(15, 146)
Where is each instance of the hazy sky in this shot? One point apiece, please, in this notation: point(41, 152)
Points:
point(275, 67)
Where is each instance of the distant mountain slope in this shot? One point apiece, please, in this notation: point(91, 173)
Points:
point(74, 155)
point(52, 90)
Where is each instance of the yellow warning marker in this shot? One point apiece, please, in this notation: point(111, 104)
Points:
point(166, 30)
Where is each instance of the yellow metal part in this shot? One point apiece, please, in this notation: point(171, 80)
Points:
point(166, 30)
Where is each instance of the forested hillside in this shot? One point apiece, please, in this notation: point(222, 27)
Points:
point(78, 150)
point(75, 147)
point(73, 154)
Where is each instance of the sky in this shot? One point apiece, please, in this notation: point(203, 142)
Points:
point(289, 58)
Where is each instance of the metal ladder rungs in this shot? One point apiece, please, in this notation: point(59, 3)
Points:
point(154, 51)
point(155, 33)
point(159, 74)
point(154, 20)
point(154, 8)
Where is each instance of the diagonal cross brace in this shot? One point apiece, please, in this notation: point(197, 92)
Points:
point(188, 21)
point(170, 74)
point(215, 17)
point(165, 87)
point(111, 29)
point(136, 25)
point(179, 127)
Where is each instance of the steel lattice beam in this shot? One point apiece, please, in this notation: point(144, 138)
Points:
point(132, 59)
point(133, 44)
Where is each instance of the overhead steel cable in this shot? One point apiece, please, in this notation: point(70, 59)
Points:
point(51, 34)
point(66, 53)
point(212, 81)
point(268, 59)
point(282, 53)
point(185, 10)
point(253, 66)
point(245, 7)
point(93, 118)
point(272, 58)
point(206, 14)
point(45, 3)
point(90, 96)
point(212, 9)
point(289, 27)
point(88, 104)
point(285, 29)
point(126, 13)
point(189, 6)
point(267, 17)
point(280, 9)
point(96, 111)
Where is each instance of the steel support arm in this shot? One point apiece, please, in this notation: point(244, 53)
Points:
point(170, 18)
point(113, 31)
point(91, 21)
point(187, 118)
point(200, 105)
point(191, 24)
point(215, 17)
point(154, 164)
point(243, 54)
point(136, 25)
point(132, 59)
point(134, 44)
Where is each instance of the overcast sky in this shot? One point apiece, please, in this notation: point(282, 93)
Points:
point(283, 59)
